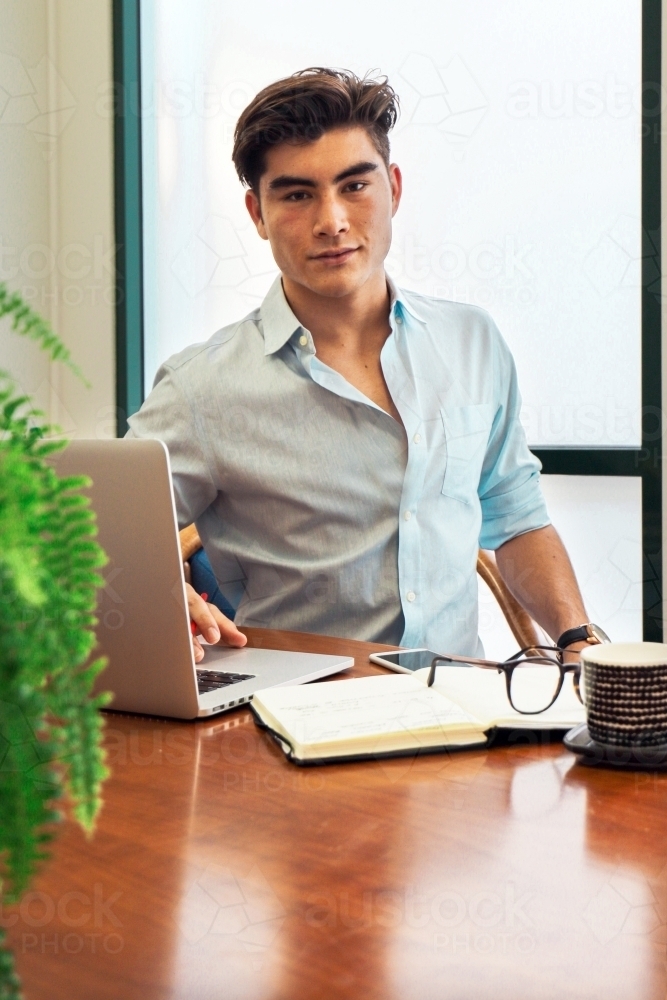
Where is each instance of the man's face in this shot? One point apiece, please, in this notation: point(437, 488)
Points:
point(326, 208)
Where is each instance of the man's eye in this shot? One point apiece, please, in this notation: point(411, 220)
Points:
point(296, 196)
point(355, 186)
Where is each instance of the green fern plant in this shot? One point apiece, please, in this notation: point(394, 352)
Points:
point(50, 726)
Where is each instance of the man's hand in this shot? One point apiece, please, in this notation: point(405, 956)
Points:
point(211, 623)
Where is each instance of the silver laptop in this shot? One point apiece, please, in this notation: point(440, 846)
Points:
point(144, 626)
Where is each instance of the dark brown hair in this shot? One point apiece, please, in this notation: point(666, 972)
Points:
point(304, 106)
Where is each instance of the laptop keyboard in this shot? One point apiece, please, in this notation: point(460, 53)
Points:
point(211, 680)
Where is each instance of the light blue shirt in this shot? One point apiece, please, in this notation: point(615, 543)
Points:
point(318, 511)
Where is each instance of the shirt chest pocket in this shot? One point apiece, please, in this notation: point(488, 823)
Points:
point(467, 430)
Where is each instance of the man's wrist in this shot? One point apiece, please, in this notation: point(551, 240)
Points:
point(575, 647)
point(587, 634)
point(572, 653)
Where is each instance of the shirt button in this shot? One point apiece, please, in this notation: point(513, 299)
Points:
point(399, 319)
point(411, 595)
point(407, 515)
point(417, 438)
point(303, 340)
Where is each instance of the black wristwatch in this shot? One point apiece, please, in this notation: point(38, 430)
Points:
point(583, 633)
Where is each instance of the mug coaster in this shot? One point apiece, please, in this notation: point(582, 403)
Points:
point(579, 741)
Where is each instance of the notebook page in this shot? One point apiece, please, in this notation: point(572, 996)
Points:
point(484, 693)
point(361, 708)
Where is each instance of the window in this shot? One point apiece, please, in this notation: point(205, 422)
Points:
point(529, 142)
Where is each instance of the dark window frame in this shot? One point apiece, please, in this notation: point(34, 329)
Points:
point(128, 211)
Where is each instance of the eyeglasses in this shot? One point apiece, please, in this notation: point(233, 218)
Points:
point(534, 676)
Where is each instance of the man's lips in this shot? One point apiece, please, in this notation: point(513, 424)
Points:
point(337, 256)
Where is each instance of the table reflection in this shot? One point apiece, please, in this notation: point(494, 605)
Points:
point(509, 872)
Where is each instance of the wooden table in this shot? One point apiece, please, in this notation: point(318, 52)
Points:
point(218, 870)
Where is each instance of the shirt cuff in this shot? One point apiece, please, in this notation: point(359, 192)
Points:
point(510, 514)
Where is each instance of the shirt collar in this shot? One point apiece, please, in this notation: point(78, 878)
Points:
point(279, 322)
point(398, 304)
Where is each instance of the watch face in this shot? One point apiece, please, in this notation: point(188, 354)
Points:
point(598, 633)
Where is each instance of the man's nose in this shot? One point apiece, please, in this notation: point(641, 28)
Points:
point(331, 218)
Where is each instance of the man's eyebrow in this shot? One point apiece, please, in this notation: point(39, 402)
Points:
point(285, 180)
point(364, 167)
point(288, 180)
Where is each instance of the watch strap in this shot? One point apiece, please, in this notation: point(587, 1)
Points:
point(582, 633)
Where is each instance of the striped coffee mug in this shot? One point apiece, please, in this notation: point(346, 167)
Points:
point(625, 691)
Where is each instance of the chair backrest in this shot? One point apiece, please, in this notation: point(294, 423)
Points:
point(526, 632)
point(524, 629)
point(190, 541)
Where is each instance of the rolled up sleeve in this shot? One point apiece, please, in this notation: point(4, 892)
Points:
point(509, 489)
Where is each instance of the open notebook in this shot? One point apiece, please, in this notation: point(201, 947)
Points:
point(389, 715)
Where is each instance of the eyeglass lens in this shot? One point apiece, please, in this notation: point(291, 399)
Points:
point(534, 687)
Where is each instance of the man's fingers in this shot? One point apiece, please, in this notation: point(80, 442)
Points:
point(201, 615)
point(229, 634)
point(211, 622)
point(199, 652)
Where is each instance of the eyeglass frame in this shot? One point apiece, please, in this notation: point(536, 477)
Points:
point(508, 666)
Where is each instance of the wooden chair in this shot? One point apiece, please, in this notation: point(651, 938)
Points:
point(526, 632)
point(524, 629)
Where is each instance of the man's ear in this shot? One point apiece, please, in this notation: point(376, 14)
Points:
point(396, 181)
point(255, 211)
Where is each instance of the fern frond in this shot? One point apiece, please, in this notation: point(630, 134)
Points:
point(30, 324)
point(10, 984)
point(50, 725)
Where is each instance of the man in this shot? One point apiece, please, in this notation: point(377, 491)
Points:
point(346, 447)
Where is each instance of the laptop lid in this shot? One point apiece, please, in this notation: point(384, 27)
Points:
point(143, 622)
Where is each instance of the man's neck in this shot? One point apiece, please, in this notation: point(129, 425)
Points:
point(358, 322)
point(349, 334)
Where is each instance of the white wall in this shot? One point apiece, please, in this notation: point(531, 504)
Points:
point(24, 204)
point(56, 200)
